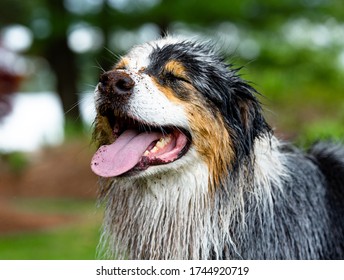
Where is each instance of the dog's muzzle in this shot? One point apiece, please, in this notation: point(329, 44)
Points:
point(135, 144)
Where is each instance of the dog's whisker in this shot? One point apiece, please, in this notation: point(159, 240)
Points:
point(99, 67)
point(116, 56)
point(76, 104)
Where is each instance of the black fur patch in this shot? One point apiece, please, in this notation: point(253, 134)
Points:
point(330, 159)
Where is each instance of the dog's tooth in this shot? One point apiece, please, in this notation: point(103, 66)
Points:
point(154, 150)
point(163, 141)
point(160, 143)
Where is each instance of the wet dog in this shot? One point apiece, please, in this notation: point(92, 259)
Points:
point(191, 170)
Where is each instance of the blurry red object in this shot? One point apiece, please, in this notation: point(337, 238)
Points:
point(10, 79)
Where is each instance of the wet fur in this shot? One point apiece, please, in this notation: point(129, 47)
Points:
point(255, 198)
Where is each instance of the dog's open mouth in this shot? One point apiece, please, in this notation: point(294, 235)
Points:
point(139, 146)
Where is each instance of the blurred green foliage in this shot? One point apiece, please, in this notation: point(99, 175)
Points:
point(55, 205)
point(16, 161)
point(76, 240)
point(293, 50)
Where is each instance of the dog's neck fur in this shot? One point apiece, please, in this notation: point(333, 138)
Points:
point(173, 216)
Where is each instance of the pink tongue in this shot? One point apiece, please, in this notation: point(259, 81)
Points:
point(122, 155)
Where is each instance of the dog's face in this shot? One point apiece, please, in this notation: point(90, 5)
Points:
point(169, 103)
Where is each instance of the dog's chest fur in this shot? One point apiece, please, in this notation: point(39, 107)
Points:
point(157, 217)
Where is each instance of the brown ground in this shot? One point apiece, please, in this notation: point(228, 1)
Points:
point(13, 220)
point(55, 172)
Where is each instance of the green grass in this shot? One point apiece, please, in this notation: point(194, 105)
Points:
point(55, 205)
point(324, 130)
point(73, 241)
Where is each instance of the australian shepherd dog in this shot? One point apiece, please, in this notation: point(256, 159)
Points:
point(190, 169)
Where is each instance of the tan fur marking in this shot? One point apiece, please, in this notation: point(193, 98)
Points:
point(102, 133)
point(122, 64)
point(212, 141)
point(176, 68)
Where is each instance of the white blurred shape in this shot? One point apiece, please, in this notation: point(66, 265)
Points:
point(87, 109)
point(83, 38)
point(83, 6)
point(249, 49)
point(37, 119)
point(16, 38)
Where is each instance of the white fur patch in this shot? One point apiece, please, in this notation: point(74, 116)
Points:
point(269, 171)
point(269, 162)
point(149, 104)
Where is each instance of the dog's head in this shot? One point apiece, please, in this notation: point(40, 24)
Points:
point(169, 103)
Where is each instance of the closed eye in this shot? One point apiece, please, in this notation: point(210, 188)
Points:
point(170, 76)
point(175, 71)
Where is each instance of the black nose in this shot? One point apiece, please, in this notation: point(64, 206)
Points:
point(117, 83)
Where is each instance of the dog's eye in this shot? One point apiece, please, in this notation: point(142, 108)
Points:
point(172, 77)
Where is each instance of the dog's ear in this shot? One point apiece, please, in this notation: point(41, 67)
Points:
point(244, 116)
point(251, 115)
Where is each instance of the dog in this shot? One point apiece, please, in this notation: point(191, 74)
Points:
point(190, 169)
